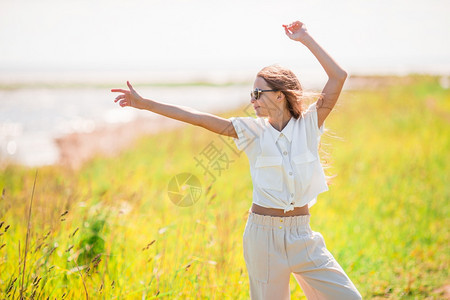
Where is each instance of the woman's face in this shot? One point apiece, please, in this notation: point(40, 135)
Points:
point(268, 102)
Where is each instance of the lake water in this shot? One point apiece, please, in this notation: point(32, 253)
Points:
point(31, 118)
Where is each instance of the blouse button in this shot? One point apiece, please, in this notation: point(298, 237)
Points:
point(281, 134)
point(290, 173)
point(285, 152)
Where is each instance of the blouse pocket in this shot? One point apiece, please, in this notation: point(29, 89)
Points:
point(304, 164)
point(269, 172)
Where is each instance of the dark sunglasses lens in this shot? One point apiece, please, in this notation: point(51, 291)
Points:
point(255, 94)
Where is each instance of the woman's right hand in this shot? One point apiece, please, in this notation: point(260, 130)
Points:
point(129, 98)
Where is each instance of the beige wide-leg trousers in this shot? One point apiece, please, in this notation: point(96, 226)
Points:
point(275, 247)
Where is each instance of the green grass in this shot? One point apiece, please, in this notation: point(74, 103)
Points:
point(385, 218)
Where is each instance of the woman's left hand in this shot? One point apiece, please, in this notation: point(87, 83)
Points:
point(296, 31)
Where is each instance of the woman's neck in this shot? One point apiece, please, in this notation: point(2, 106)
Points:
point(280, 121)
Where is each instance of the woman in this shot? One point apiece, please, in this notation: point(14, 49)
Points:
point(282, 148)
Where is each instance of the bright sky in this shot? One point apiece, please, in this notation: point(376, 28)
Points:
point(362, 35)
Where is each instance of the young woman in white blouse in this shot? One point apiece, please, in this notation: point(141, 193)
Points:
point(282, 147)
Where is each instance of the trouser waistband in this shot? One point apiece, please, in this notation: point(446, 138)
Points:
point(293, 221)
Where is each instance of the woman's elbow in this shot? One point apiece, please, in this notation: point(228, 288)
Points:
point(342, 75)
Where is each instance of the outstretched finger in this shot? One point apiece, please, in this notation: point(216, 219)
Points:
point(118, 91)
point(130, 86)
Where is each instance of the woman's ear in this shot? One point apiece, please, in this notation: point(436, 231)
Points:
point(280, 96)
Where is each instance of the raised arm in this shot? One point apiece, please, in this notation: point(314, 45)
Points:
point(336, 75)
point(182, 113)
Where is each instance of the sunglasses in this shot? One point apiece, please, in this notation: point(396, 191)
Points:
point(256, 93)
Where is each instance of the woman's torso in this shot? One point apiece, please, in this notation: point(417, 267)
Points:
point(275, 212)
point(283, 164)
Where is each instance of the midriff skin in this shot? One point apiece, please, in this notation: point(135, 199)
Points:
point(276, 212)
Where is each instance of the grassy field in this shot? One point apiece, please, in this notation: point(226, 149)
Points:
point(385, 218)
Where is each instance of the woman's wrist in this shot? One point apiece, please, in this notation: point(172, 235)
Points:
point(307, 39)
point(144, 104)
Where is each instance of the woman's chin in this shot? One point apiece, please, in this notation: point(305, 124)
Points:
point(260, 114)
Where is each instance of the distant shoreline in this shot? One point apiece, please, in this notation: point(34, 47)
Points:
point(354, 81)
point(77, 148)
